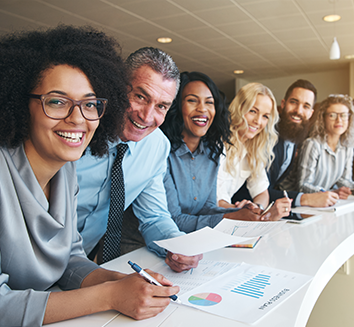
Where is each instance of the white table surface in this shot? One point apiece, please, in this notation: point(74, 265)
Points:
point(317, 248)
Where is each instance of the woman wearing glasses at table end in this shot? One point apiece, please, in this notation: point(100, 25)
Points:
point(326, 157)
point(54, 87)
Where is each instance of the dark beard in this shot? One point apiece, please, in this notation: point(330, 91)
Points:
point(295, 133)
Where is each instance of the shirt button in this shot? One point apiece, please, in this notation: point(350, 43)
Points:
point(192, 158)
point(195, 198)
point(193, 177)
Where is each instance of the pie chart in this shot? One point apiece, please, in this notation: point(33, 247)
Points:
point(205, 299)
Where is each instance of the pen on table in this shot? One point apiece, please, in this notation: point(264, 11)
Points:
point(150, 279)
point(267, 209)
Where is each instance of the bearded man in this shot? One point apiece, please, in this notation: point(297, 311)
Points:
point(295, 112)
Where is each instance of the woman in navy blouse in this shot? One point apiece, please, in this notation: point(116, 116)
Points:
point(197, 125)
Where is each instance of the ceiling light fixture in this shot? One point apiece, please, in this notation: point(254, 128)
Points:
point(331, 18)
point(238, 71)
point(164, 40)
point(334, 52)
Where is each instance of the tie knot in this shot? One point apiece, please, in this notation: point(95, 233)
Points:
point(121, 149)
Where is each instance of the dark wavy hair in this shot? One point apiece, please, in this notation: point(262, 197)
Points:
point(26, 55)
point(219, 131)
point(304, 84)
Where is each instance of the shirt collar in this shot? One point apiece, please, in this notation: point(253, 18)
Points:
point(131, 145)
point(183, 149)
point(339, 146)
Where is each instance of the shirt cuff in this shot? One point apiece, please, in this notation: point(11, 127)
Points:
point(298, 200)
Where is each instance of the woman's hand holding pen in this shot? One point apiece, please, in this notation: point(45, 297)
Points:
point(137, 298)
point(281, 208)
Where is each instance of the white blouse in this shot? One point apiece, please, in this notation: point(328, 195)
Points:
point(228, 185)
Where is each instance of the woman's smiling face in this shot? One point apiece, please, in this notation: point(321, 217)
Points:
point(336, 119)
point(198, 110)
point(258, 116)
point(59, 141)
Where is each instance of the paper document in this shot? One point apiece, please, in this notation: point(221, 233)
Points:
point(254, 229)
point(247, 228)
point(188, 280)
point(340, 206)
point(200, 241)
point(246, 293)
point(124, 321)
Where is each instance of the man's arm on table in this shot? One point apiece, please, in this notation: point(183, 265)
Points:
point(150, 207)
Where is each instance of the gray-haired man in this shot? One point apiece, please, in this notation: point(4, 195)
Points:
point(154, 80)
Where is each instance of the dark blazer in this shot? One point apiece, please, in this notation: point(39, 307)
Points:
point(273, 172)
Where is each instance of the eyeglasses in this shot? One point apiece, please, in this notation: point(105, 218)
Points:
point(61, 107)
point(334, 115)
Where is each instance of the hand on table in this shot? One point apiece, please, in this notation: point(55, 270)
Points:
point(179, 262)
point(343, 192)
point(319, 199)
point(249, 211)
point(241, 204)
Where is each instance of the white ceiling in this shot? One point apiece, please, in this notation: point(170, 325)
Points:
point(265, 38)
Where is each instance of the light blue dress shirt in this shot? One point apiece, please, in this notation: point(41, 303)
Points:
point(288, 155)
point(190, 184)
point(144, 166)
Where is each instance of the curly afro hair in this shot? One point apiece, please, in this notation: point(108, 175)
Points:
point(26, 55)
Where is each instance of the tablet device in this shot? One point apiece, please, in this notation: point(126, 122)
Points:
point(300, 218)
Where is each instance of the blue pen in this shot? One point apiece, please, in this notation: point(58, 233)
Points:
point(322, 190)
point(151, 279)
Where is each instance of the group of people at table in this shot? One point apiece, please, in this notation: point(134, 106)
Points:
point(81, 144)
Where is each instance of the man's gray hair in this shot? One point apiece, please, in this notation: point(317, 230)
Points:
point(157, 60)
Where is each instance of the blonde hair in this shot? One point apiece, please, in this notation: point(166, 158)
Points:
point(319, 128)
point(260, 148)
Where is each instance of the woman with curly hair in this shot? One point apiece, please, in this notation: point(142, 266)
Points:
point(60, 91)
point(197, 125)
point(253, 118)
point(326, 157)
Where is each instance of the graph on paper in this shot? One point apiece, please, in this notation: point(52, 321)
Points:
point(254, 285)
point(253, 290)
point(205, 299)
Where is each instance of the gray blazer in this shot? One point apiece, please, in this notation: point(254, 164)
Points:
point(39, 243)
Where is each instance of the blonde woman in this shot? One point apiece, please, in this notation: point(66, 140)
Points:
point(253, 117)
point(325, 159)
